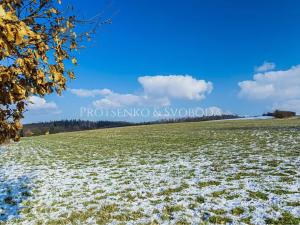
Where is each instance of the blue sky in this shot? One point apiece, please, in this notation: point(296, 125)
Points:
point(219, 41)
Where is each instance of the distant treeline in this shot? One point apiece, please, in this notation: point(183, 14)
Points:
point(280, 114)
point(53, 127)
point(67, 126)
point(194, 119)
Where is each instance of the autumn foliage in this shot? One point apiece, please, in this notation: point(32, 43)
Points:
point(36, 42)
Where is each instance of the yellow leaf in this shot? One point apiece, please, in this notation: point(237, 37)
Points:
point(10, 34)
point(19, 92)
point(73, 45)
point(19, 38)
point(74, 61)
point(71, 75)
point(18, 125)
point(2, 12)
point(53, 10)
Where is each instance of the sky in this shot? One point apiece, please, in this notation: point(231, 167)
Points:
point(239, 57)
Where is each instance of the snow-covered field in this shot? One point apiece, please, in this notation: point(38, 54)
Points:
point(231, 172)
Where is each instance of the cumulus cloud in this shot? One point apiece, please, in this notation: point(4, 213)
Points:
point(157, 91)
point(280, 87)
point(90, 93)
point(214, 111)
point(282, 84)
point(176, 86)
point(38, 103)
point(117, 100)
point(113, 100)
point(266, 66)
point(109, 98)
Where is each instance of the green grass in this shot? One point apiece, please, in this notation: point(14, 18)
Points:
point(170, 191)
point(200, 199)
point(219, 220)
point(286, 218)
point(218, 211)
point(208, 183)
point(258, 195)
point(295, 204)
point(237, 211)
point(168, 211)
point(217, 194)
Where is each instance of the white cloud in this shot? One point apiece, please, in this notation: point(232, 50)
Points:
point(282, 84)
point(266, 66)
point(117, 100)
point(106, 103)
point(214, 111)
point(281, 88)
point(114, 100)
point(109, 98)
point(158, 90)
point(38, 103)
point(90, 93)
point(256, 90)
point(176, 86)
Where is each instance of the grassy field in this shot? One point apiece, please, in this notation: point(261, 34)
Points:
point(222, 172)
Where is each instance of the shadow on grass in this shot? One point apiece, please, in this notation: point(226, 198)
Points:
point(12, 193)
